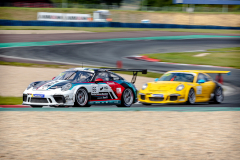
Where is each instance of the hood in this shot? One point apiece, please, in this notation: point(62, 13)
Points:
point(52, 84)
point(164, 85)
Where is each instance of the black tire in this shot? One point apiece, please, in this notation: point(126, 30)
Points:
point(146, 104)
point(81, 98)
point(127, 101)
point(191, 96)
point(33, 106)
point(218, 95)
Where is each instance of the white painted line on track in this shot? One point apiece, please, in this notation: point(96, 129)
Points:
point(196, 51)
point(40, 60)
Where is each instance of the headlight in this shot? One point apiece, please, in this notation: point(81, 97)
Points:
point(144, 86)
point(30, 86)
point(66, 87)
point(180, 87)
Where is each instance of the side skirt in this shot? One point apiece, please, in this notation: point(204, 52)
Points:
point(114, 102)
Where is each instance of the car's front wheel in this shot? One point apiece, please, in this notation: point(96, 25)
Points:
point(127, 98)
point(191, 97)
point(81, 98)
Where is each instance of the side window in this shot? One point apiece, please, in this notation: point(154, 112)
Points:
point(84, 77)
point(203, 76)
point(200, 76)
point(207, 78)
point(114, 77)
point(103, 75)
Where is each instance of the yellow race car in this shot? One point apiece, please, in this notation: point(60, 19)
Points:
point(182, 86)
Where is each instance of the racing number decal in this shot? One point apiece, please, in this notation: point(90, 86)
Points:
point(199, 89)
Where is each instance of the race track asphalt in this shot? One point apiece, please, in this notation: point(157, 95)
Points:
point(107, 53)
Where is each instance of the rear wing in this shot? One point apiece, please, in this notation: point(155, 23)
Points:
point(135, 71)
point(219, 77)
point(216, 72)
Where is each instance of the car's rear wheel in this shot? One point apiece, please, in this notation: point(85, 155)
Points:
point(81, 98)
point(191, 97)
point(34, 106)
point(127, 98)
point(218, 95)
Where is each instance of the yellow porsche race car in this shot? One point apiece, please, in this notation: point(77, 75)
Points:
point(182, 86)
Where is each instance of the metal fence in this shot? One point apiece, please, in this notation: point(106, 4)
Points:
point(115, 7)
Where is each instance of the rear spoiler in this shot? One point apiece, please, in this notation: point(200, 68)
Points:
point(217, 72)
point(135, 71)
point(219, 77)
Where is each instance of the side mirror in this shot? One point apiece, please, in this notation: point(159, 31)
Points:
point(201, 81)
point(156, 79)
point(98, 80)
point(53, 78)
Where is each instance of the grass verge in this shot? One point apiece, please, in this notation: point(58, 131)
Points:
point(10, 100)
point(226, 57)
point(110, 29)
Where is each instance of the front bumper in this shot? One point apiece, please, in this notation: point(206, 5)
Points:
point(166, 97)
point(50, 98)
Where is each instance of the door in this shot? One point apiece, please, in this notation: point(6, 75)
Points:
point(103, 91)
point(204, 89)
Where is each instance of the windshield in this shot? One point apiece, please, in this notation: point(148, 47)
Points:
point(75, 76)
point(181, 77)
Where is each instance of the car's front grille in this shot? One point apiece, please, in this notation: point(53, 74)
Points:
point(59, 99)
point(49, 99)
point(143, 97)
point(173, 98)
point(24, 97)
point(39, 100)
point(156, 98)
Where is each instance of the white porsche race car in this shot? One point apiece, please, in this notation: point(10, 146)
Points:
point(83, 87)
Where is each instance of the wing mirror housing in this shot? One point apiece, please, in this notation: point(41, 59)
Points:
point(156, 79)
point(98, 80)
point(201, 81)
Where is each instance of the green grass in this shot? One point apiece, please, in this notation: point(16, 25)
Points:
point(89, 11)
point(227, 57)
point(233, 49)
point(109, 29)
point(10, 100)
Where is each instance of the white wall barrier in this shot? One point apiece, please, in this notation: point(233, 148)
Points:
point(47, 16)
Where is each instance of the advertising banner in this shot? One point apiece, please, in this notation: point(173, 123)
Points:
point(77, 17)
point(47, 16)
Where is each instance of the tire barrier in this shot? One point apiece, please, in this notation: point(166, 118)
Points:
point(109, 24)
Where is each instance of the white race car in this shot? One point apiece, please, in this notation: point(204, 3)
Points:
point(83, 87)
